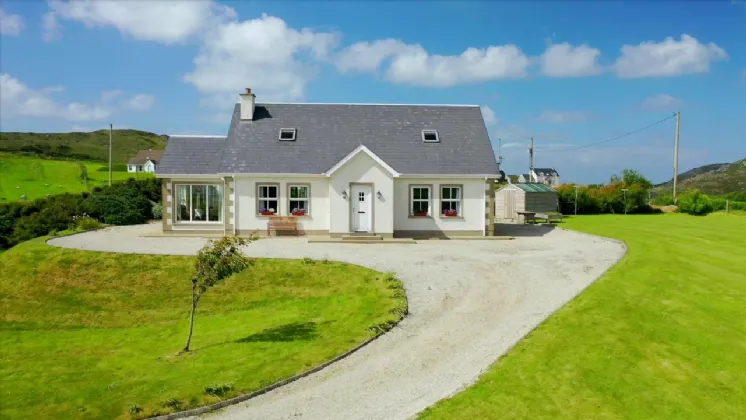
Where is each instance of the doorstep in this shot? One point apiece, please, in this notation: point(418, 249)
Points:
point(361, 240)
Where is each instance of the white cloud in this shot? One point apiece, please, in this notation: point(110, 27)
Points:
point(53, 89)
point(51, 28)
point(166, 21)
point(667, 58)
point(368, 56)
point(412, 64)
point(141, 102)
point(489, 116)
point(263, 54)
point(558, 117)
point(565, 60)
point(17, 99)
point(10, 24)
point(661, 102)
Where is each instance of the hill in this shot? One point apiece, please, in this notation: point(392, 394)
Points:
point(35, 177)
point(91, 146)
point(713, 179)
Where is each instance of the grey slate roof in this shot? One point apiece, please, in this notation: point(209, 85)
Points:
point(545, 171)
point(326, 133)
point(143, 156)
point(192, 155)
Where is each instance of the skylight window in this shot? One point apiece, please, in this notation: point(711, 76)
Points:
point(430, 136)
point(288, 134)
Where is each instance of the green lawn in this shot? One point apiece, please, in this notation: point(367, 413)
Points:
point(87, 334)
point(661, 336)
point(36, 177)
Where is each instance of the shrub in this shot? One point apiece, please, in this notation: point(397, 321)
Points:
point(696, 203)
point(85, 223)
point(157, 211)
point(609, 198)
point(122, 203)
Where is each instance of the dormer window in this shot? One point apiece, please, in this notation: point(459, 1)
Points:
point(287, 134)
point(430, 136)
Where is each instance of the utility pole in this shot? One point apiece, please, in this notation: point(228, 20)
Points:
point(531, 160)
point(576, 200)
point(676, 156)
point(111, 128)
point(499, 152)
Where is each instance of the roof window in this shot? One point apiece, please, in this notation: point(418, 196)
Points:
point(430, 136)
point(288, 134)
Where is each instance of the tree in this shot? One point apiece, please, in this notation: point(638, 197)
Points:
point(216, 261)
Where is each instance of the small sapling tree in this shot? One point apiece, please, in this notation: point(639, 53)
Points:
point(216, 261)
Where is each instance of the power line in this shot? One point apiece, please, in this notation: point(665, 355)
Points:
point(629, 133)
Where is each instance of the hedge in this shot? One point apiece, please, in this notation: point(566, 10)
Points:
point(123, 203)
point(607, 198)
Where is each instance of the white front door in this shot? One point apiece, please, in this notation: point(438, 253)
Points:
point(362, 208)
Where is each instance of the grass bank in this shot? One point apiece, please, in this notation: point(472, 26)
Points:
point(37, 177)
point(662, 335)
point(90, 335)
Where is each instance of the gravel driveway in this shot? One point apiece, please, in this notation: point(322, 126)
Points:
point(469, 302)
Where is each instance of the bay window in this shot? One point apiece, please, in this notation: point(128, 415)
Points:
point(199, 203)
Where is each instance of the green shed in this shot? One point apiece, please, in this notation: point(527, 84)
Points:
point(533, 197)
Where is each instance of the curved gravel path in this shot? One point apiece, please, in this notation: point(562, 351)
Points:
point(469, 301)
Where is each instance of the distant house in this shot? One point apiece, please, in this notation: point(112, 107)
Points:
point(145, 161)
point(546, 176)
point(525, 178)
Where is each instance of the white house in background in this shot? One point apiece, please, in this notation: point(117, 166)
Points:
point(145, 161)
point(388, 170)
point(546, 176)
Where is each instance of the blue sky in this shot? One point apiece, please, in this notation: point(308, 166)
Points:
point(568, 74)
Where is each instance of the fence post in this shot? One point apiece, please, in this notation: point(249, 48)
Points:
point(726, 206)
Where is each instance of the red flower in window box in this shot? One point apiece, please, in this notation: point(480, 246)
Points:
point(450, 213)
point(298, 212)
point(267, 212)
point(420, 213)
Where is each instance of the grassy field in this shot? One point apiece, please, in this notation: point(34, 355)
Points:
point(36, 177)
point(88, 334)
point(92, 145)
point(661, 336)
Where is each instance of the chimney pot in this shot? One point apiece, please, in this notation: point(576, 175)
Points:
point(248, 91)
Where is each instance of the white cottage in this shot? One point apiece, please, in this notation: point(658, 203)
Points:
point(339, 169)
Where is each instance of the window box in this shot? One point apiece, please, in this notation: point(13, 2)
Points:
point(450, 213)
point(267, 212)
point(420, 214)
point(298, 212)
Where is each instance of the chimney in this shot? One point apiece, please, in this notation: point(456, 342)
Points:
point(248, 101)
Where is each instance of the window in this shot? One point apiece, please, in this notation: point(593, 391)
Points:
point(287, 134)
point(199, 203)
point(139, 168)
point(450, 200)
point(430, 136)
point(419, 201)
point(268, 198)
point(298, 203)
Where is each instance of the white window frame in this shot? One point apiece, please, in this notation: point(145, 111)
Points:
point(428, 200)
point(437, 137)
point(288, 130)
point(459, 201)
point(259, 198)
point(307, 199)
point(207, 220)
